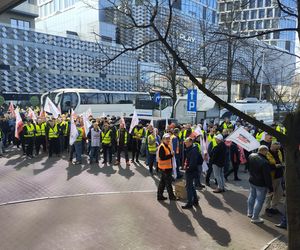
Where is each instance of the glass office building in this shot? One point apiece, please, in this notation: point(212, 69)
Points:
point(249, 17)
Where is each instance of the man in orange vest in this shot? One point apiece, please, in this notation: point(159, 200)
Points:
point(165, 155)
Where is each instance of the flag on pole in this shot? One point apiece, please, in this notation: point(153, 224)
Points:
point(73, 130)
point(19, 124)
point(31, 114)
point(205, 125)
point(11, 109)
point(134, 121)
point(51, 108)
point(244, 139)
point(86, 122)
point(167, 123)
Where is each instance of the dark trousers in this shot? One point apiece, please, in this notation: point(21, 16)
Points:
point(66, 142)
point(94, 153)
point(72, 150)
point(107, 150)
point(208, 173)
point(53, 146)
point(120, 149)
point(29, 146)
point(190, 188)
point(152, 161)
point(165, 182)
point(40, 141)
point(136, 148)
point(235, 170)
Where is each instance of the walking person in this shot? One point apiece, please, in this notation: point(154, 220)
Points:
point(235, 162)
point(192, 161)
point(94, 135)
point(165, 167)
point(260, 182)
point(218, 158)
point(122, 136)
point(106, 139)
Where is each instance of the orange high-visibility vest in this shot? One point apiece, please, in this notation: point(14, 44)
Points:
point(164, 164)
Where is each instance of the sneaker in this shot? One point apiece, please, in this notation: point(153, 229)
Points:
point(249, 215)
point(217, 191)
point(257, 221)
point(187, 206)
point(280, 225)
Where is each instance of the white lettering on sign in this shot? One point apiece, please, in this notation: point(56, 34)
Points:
point(191, 105)
point(187, 38)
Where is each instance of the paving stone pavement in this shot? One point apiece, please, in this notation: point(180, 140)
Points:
point(120, 212)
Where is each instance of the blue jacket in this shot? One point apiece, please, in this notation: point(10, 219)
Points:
point(193, 159)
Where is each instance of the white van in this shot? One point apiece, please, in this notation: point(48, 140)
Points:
point(258, 110)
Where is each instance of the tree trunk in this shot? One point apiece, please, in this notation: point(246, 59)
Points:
point(229, 71)
point(292, 176)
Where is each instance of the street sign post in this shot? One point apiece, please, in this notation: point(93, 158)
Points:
point(192, 102)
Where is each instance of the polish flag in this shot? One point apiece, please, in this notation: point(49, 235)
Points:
point(31, 114)
point(19, 124)
point(11, 109)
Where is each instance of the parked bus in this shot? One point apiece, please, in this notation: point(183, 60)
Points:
point(108, 102)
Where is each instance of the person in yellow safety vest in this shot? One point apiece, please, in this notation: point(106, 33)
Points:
point(281, 129)
point(176, 148)
point(106, 138)
point(212, 143)
point(276, 164)
point(122, 137)
point(65, 130)
point(28, 133)
point(259, 135)
point(198, 183)
point(152, 143)
point(164, 157)
point(78, 143)
point(137, 136)
point(226, 124)
point(40, 137)
point(149, 130)
point(52, 137)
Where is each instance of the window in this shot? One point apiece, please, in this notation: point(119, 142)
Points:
point(268, 3)
point(269, 12)
point(251, 4)
point(274, 24)
point(268, 36)
point(274, 43)
point(276, 35)
point(221, 6)
point(238, 15)
point(244, 4)
point(20, 24)
point(70, 101)
point(229, 6)
point(243, 25)
point(251, 25)
point(213, 19)
point(267, 24)
point(236, 5)
point(204, 13)
point(88, 98)
point(261, 13)
point(259, 25)
point(223, 17)
point(253, 14)
point(118, 99)
point(260, 3)
point(130, 98)
point(246, 15)
point(277, 12)
point(288, 45)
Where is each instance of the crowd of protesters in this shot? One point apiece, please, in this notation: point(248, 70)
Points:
point(196, 155)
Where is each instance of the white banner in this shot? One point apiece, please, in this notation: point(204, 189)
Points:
point(134, 121)
point(244, 139)
point(73, 131)
point(51, 108)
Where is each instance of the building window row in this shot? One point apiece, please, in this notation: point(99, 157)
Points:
point(20, 24)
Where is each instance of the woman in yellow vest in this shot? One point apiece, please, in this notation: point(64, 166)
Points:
point(165, 166)
point(106, 138)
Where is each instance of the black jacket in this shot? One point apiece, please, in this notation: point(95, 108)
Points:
point(193, 159)
point(234, 154)
point(218, 155)
point(259, 169)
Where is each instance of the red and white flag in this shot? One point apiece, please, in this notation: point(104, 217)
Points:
point(19, 124)
point(134, 121)
point(31, 114)
point(42, 113)
point(11, 109)
point(73, 131)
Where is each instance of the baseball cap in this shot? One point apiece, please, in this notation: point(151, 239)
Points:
point(219, 137)
point(166, 136)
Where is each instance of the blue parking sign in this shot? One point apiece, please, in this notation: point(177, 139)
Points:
point(192, 100)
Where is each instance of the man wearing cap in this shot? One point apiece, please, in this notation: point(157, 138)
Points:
point(260, 181)
point(193, 159)
point(137, 136)
point(218, 160)
point(165, 166)
point(28, 133)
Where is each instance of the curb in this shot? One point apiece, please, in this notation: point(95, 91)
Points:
point(73, 195)
point(269, 243)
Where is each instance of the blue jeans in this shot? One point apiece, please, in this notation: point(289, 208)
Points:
point(190, 188)
point(78, 150)
point(256, 200)
point(94, 153)
point(219, 175)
